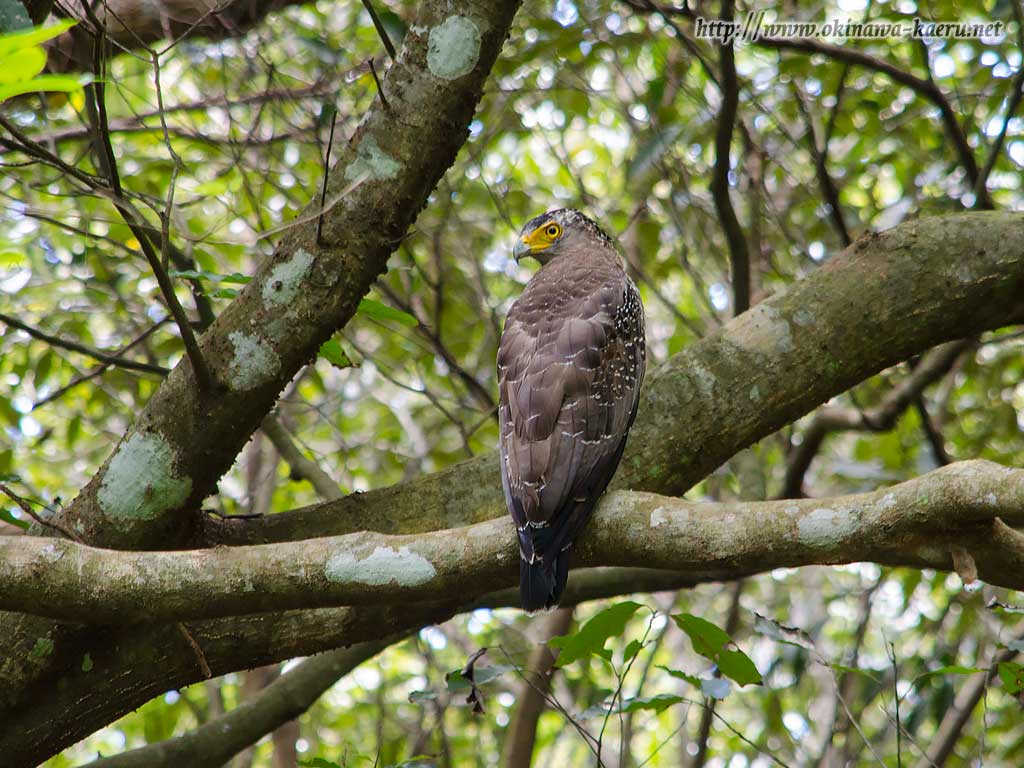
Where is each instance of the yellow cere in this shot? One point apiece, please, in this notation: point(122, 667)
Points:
point(542, 237)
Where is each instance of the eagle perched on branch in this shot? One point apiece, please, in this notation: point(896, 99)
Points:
point(570, 364)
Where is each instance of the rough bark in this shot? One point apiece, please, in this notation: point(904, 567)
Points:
point(886, 298)
point(148, 493)
point(133, 24)
point(913, 524)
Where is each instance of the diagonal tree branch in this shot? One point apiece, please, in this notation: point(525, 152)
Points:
point(912, 524)
point(74, 346)
point(886, 298)
point(218, 740)
point(148, 493)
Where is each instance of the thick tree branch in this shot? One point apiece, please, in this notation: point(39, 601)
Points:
point(886, 298)
point(149, 491)
point(911, 524)
point(186, 438)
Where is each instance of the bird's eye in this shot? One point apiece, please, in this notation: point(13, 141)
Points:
point(553, 231)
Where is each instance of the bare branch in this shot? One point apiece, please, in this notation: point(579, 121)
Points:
point(911, 524)
point(74, 346)
point(739, 256)
point(879, 419)
point(217, 740)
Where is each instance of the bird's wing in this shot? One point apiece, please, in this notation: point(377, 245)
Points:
point(569, 388)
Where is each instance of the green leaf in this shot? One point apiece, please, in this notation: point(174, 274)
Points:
point(713, 643)
point(13, 260)
point(375, 310)
point(951, 669)
point(418, 697)
point(332, 351)
point(632, 649)
point(318, 762)
point(7, 517)
point(1012, 675)
point(658, 703)
point(591, 637)
point(691, 679)
point(26, 65)
point(51, 83)
point(17, 41)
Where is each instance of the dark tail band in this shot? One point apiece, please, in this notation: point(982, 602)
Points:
point(542, 582)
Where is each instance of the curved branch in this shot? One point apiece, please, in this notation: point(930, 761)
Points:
point(913, 524)
point(879, 419)
point(926, 88)
point(215, 742)
point(884, 299)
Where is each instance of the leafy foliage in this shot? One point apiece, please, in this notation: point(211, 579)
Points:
point(591, 104)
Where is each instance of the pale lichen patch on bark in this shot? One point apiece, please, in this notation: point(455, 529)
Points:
point(282, 284)
point(824, 526)
point(140, 481)
point(762, 329)
point(803, 317)
point(887, 502)
point(658, 517)
point(253, 363)
point(453, 48)
point(382, 567)
point(372, 162)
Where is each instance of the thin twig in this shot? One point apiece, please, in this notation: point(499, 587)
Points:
point(200, 656)
point(74, 346)
point(739, 257)
point(379, 26)
point(327, 171)
point(380, 88)
point(26, 507)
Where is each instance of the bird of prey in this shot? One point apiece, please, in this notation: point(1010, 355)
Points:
point(570, 363)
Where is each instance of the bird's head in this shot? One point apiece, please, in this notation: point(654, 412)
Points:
point(553, 233)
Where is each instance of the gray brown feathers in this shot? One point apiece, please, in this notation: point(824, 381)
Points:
point(570, 364)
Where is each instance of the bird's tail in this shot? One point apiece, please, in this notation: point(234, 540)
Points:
point(542, 582)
